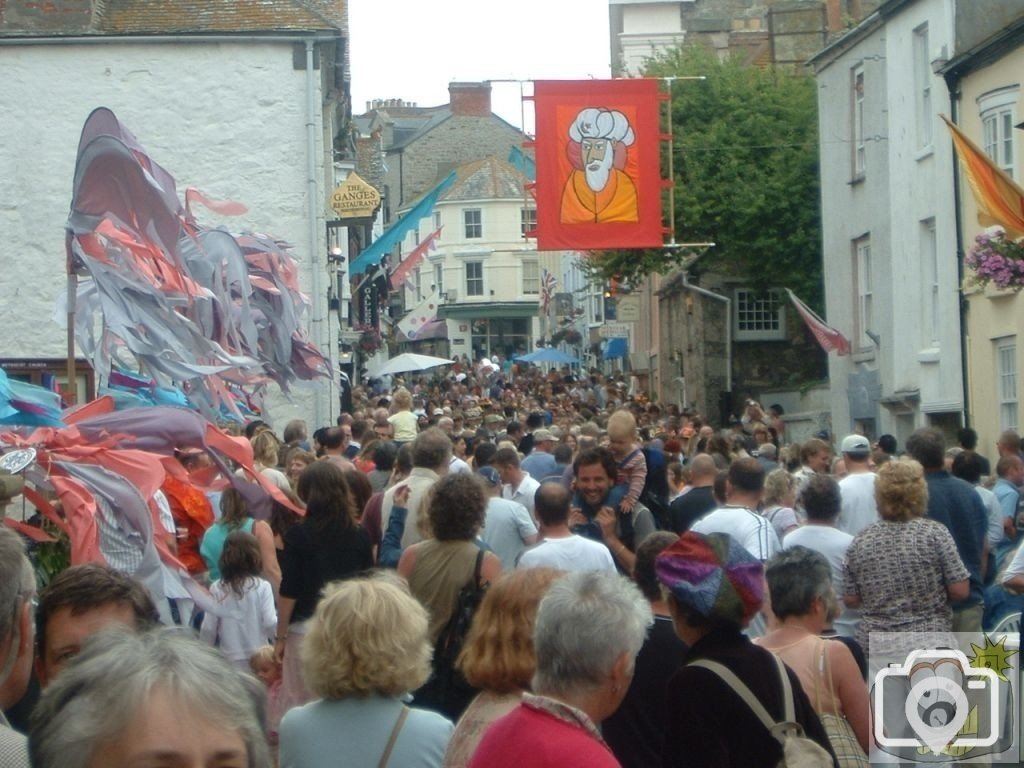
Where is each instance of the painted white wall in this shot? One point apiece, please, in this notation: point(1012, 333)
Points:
point(229, 119)
point(903, 185)
point(648, 28)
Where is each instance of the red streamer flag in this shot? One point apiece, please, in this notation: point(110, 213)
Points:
point(829, 338)
point(598, 164)
point(403, 270)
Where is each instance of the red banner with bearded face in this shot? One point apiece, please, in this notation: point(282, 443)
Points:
point(598, 164)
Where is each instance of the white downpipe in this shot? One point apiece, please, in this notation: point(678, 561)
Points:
point(728, 326)
point(315, 257)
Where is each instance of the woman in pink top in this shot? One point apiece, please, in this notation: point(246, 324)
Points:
point(800, 584)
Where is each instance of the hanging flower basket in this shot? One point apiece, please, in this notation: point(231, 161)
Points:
point(557, 338)
point(572, 336)
point(369, 341)
point(996, 259)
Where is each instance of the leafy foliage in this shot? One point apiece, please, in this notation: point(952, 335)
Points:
point(746, 176)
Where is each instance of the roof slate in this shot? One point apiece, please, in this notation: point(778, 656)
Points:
point(487, 179)
point(161, 16)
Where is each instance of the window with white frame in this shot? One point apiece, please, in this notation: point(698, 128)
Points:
point(1006, 381)
point(437, 219)
point(758, 316)
point(997, 110)
point(930, 269)
point(527, 220)
point(418, 284)
point(439, 277)
point(864, 289)
point(472, 218)
point(416, 236)
point(531, 277)
point(474, 278)
point(859, 153)
point(923, 87)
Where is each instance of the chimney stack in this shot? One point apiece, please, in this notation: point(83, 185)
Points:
point(470, 99)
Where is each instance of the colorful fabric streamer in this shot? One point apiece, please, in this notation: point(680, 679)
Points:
point(191, 307)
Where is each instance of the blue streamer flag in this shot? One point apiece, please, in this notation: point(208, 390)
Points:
point(397, 232)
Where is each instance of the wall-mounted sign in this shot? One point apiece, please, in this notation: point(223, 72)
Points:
point(628, 309)
point(354, 198)
point(563, 304)
point(613, 331)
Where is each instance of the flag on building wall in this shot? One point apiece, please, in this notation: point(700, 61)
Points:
point(548, 284)
point(403, 270)
point(424, 313)
point(380, 247)
point(1000, 201)
point(598, 164)
point(829, 338)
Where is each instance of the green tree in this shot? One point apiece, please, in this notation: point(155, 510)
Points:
point(746, 175)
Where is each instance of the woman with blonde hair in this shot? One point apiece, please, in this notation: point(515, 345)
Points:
point(778, 501)
point(265, 450)
point(903, 571)
point(498, 657)
point(366, 648)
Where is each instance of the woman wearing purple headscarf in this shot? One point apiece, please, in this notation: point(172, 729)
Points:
point(714, 587)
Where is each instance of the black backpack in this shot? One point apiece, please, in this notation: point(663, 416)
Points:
point(447, 691)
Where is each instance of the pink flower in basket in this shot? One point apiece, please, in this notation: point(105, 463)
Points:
point(996, 259)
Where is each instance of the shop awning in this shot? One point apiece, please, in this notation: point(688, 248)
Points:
point(436, 329)
point(616, 348)
point(489, 310)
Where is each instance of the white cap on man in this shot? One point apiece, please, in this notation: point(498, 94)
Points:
point(855, 445)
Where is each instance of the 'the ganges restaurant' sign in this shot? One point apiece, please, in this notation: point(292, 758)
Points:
point(354, 199)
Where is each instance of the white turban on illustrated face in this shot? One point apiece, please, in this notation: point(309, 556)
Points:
point(594, 123)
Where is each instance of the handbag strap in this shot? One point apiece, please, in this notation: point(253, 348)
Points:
point(827, 663)
point(393, 737)
point(739, 687)
point(477, 567)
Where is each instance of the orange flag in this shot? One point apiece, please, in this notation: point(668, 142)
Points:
point(598, 152)
point(1000, 201)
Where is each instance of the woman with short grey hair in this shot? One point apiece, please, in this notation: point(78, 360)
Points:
point(589, 628)
point(130, 696)
point(800, 583)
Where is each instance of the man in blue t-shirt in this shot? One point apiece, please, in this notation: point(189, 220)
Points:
point(954, 503)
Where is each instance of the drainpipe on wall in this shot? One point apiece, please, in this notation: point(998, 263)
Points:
point(952, 83)
point(728, 325)
point(315, 260)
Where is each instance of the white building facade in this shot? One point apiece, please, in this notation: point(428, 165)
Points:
point(888, 220)
point(240, 116)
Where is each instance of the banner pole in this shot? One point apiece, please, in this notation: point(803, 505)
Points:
point(671, 161)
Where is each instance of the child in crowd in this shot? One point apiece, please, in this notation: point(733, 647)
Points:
point(265, 666)
point(622, 442)
point(246, 617)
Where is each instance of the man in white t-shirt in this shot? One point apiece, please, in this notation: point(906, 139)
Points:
point(508, 528)
point(822, 502)
point(559, 547)
point(519, 486)
point(739, 517)
point(858, 487)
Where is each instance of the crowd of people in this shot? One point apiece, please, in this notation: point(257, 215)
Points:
point(549, 571)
